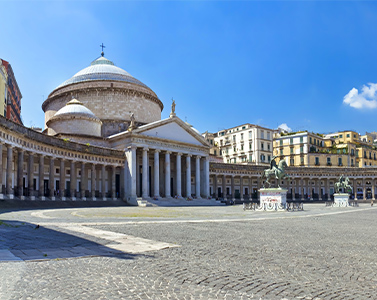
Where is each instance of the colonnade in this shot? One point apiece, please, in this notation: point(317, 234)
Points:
point(155, 173)
point(238, 186)
point(39, 176)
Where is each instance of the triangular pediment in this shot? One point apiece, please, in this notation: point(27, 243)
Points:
point(172, 129)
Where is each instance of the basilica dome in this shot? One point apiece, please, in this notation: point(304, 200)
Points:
point(74, 119)
point(110, 93)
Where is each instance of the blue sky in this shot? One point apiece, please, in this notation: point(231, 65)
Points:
point(311, 65)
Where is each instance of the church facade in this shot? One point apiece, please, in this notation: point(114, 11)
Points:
point(104, 139)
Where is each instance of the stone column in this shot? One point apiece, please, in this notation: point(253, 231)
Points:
point(30, 177)
point(131, 159)
point(145, 174)
point(122, 182)
point(232, 188)
point(41, 174)
point(355, 188)
point(215, 191)
point(206, 180)
point(113, 188)
point(197, 177)
point(20, 173)
point(373, 183)
point(84, 182)
point(93, 182)
point(51, 179)
point(62, 180)
point(179, 175)
point(103, 182)
point(241, 187)
point(9, 189)
point(73, 180)
point(250, 186)
point(364, 190)
point(167, 175)
point(156, 193)
point(301, 190)
point(224, 187)
point(188, 176)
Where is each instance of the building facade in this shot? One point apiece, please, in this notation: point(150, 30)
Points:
point(3, 89)
point(244, 144)
point(13, 96)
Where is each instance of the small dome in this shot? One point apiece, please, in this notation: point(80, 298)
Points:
point(102, 69)
point(75, 107)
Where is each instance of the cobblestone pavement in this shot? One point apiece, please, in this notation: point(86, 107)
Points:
point(221, 253)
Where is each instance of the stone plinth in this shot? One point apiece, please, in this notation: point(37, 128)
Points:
point(341, 200)
point(273, 199)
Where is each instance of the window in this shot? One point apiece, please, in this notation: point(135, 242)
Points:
point(281, 142)
point(241, 136)
point(262, 157)
point(301, 139)
point(241, 147)
point(262, 146)
point(351, 162)
point(262, 134)
point(340, 136)
point(234, 138)
point(292, 161)
point(250, 145)
point(329, 160)
point(310, 140)
point(215, 152)
point(268, 136)
point(348, 135)
point(250, 134)
point(269, 158)
point(268, 146)
point(291, 141)
point(291, 150)
point(301, 149)
point(281, 151)
point(340, 161)
point(234, 149)
point(317, 161)
point(243, 127)
point(302, 160)
point(211, 142)
point(250, 158)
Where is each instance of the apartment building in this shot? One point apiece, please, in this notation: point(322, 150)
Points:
point(243, 144)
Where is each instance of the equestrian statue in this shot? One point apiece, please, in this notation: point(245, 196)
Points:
point(275, 171)
point(343, 182)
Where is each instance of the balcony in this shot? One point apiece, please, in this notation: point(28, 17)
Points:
point(340, 165)
point(317, 164)
point(329, 164)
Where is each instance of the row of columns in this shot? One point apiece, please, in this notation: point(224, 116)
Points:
point(18, 176)
point(201, 188)
point(301, 186)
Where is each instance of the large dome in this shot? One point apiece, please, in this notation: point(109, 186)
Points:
point(102, 69)
point(111, 93)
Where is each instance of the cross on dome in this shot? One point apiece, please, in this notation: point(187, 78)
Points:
point(102, 46)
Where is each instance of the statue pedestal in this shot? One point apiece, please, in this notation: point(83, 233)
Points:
point(341, 200)
point(273, 199)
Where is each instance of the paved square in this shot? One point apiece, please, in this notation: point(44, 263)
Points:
point(189, 253)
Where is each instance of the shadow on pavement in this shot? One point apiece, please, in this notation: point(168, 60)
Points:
point(26, 241)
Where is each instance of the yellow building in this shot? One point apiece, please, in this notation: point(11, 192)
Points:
point(361, 149)
point(309, 149)
point(3, 88)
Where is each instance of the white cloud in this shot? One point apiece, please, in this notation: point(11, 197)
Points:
point(285, 127)
point(367, 98)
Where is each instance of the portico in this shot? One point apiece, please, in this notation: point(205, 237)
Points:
point(164, 159)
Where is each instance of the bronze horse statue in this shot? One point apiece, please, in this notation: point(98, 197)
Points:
point(275, 172)
point(343, 182)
